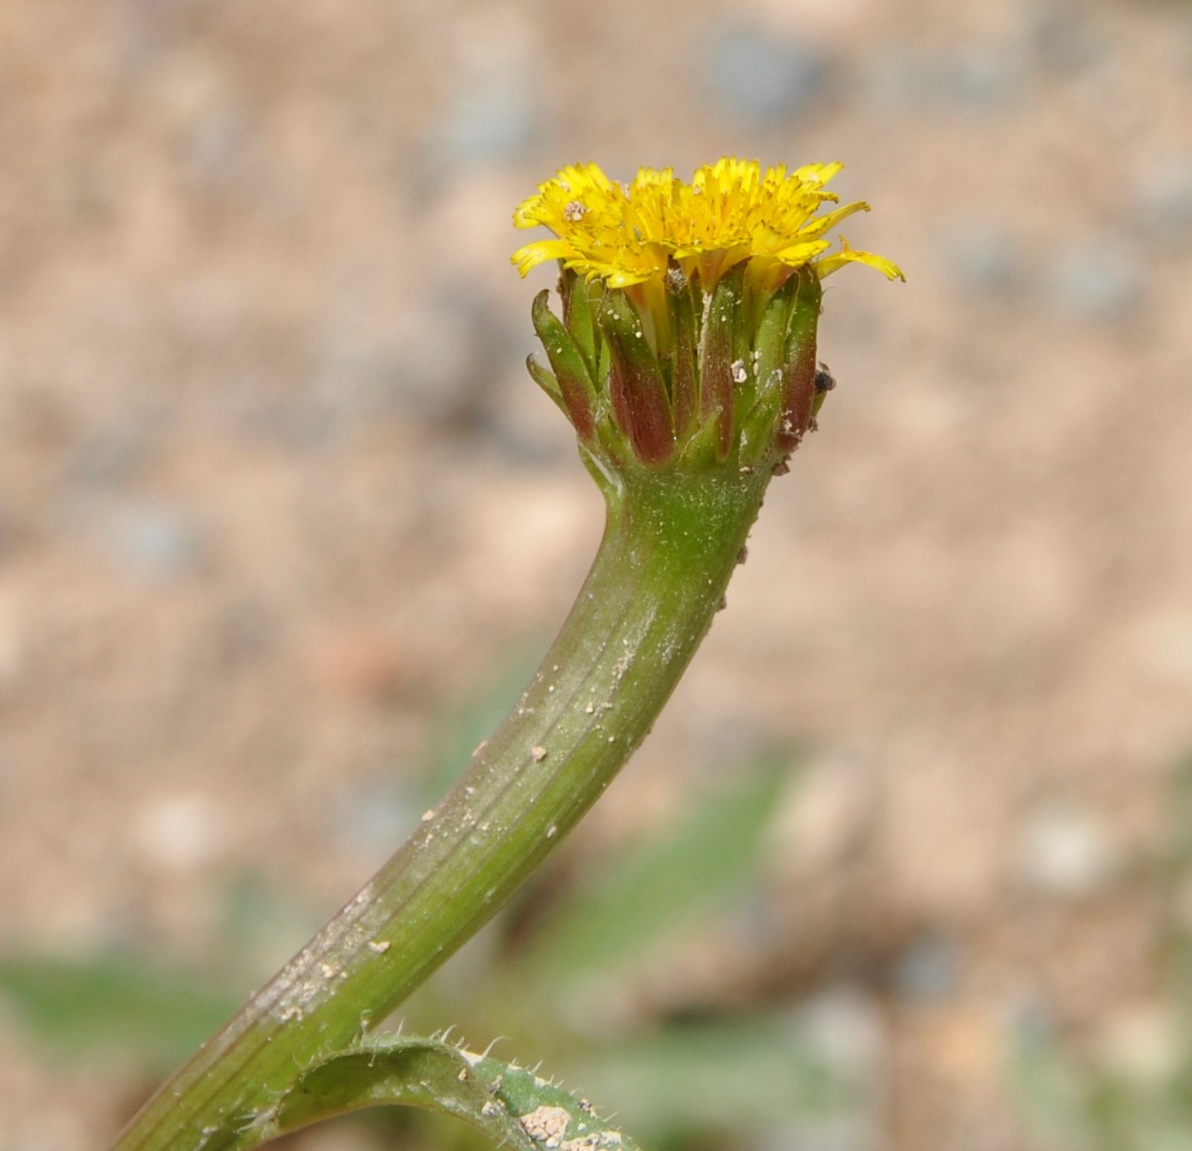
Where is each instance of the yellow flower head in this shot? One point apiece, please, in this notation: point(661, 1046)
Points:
point(732, 211)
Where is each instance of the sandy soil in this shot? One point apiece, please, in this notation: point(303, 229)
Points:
point(274, 489)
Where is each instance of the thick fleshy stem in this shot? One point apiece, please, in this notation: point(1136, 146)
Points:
point(671, 541)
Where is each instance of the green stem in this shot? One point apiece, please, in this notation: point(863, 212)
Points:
point(671, 542)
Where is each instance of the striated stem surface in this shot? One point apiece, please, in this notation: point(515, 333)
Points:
point(671, 542)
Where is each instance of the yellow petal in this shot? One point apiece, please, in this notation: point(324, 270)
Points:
point(848, 255)
point(531, 255)
point(731, 211)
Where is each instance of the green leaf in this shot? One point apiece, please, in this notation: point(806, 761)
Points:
point(511, 1105)
point(740, 1076)
point(666, 885)
point(121, 1002)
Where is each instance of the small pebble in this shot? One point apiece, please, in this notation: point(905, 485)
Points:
point(984, 257)
point(248, 629)
point(219, 153)
point(760, 79)
point(179, 833)
point(431, 370)
point(825, 821)
point(1097, 278)
point(109, 458)
point(979, 79)
point(1065, 851)
point(929, 971)
point(493, 118)
point(1059, 36)
point(847, 1028)
point(1163, 201)
point(155, 541)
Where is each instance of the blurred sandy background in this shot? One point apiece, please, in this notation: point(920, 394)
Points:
point(275, 491)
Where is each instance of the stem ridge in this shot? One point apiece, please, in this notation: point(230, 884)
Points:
point(670, 544)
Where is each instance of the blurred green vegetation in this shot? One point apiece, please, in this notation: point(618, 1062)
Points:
point(557, 978)
point(568, 977)
point(1134, 1094)
point(122, 1003)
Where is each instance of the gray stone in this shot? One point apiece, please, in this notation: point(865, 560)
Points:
point(929, 970)
point(1059, 36)
point(984, 257)
point(846, 1028)
point(359, 378)
point(981, 79)
point(1065, 851)
point(1030, 1019)
point(155, 541)
point(248, 629)
point(492, 119)
point(759, 78)
point(436, 364)
point(220, 154)
point(825, 822)
point(1163, 201)
point(110, 457)
point(977, 79)
point(1096, 279)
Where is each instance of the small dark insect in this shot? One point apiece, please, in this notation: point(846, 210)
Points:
point(824, 380)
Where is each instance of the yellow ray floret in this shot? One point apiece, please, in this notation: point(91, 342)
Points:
point(732, 211)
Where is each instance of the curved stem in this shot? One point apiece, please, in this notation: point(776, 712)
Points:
point(670, 544)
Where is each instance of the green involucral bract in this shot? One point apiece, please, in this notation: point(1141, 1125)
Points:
point(679, 378)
